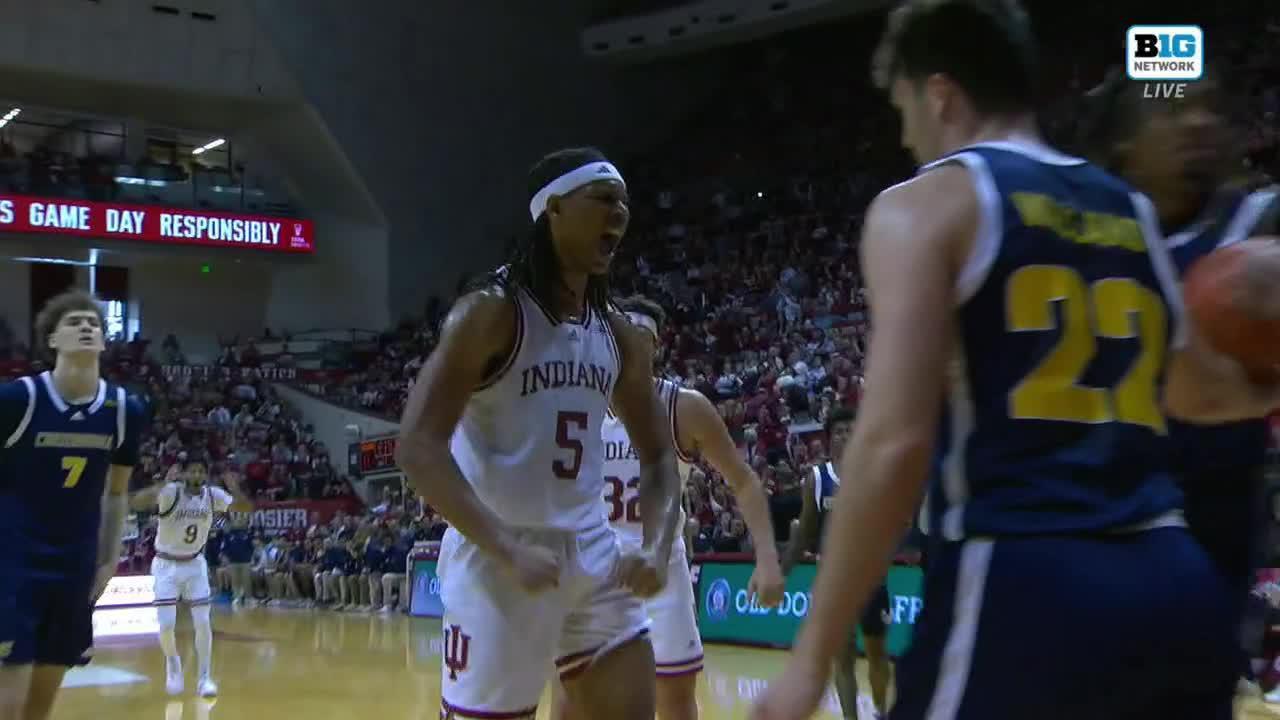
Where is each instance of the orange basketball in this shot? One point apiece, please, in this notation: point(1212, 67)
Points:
point(1233, 295)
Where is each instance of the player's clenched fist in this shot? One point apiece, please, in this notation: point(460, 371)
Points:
point(642, 573)
point(535, 567)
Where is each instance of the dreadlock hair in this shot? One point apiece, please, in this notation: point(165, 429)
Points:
point(1114, 110)
point(642, 305)
point(1109, 116)
point(533, 264)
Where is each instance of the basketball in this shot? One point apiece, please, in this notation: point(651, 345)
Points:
point(1233, 295)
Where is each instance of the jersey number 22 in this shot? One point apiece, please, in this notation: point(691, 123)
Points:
point(1115, 308)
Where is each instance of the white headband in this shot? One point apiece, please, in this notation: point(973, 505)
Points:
point(644, 321)
point(571, 181)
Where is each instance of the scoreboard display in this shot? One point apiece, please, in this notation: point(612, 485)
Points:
point(374, 455)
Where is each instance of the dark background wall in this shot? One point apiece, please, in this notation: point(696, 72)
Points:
point(441, 108)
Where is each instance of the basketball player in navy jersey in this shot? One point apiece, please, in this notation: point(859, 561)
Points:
point(1176, 151)
point(819, 497)
point(1024, 306)
point(70, 441)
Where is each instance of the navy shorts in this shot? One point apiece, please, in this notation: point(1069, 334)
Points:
point(1124, 627)
point(875, 619)
point(45, 622)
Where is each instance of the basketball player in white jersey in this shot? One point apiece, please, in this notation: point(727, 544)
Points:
point(186, 508)
point(501, 434)
point(697, 431)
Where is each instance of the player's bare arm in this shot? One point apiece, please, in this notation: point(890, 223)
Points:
point(240, 500)
point(1205, 387)
point(115, 507)
point(148, 498)
point(636, 402)
point(804, 538)
point(702, 430)
point(115, 501)
point(914, 239)
point(477, 335)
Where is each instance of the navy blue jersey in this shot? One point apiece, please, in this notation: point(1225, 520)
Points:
point(1065, 312)
point(396, 558)
point(237, 545)
point(335, 557)
point(825, 485)
point(213, 549)
point(53, 472)
point(375, 554)
point(1221, 465)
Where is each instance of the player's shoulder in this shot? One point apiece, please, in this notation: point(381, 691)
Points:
point(1267, 200)
point(691, 401)
point(940, 189)
point(482, 309)
point(118, 395)
point(630, 337)
point(18, 391)
point(939, 208)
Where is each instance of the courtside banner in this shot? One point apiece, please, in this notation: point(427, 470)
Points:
point(727, 613)
point(424, 590)
point(153, 224)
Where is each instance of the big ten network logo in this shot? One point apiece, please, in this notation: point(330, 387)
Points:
point(1164, 57)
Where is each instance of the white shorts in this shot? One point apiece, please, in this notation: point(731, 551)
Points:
point(181, 580)
point(500, 642)
point(677, 646)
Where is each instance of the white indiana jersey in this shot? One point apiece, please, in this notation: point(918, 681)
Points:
point(185, 519)
point(622, 468)
point(529, 439)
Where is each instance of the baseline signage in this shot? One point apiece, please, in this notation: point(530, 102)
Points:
point(247, 373)
point(283, 516)
point(154, 224)
point(424, 581)
point(126, 608)
point(128, 590)
point(726, 612)
point(424, 591)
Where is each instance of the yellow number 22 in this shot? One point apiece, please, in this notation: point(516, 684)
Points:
point(1116, 308)
point(74, 465)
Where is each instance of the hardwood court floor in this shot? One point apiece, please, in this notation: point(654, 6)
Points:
point(320, 665)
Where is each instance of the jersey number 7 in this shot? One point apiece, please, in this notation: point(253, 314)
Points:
point(74, 465)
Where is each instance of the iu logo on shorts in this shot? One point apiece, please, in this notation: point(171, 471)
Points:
point(457, 650)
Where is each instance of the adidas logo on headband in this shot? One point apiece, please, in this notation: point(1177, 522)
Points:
point(570, 181)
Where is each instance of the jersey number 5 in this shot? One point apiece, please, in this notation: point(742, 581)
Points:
point(1114, 308)
point(618, 509)
point(564, 420)
point(74, 466)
